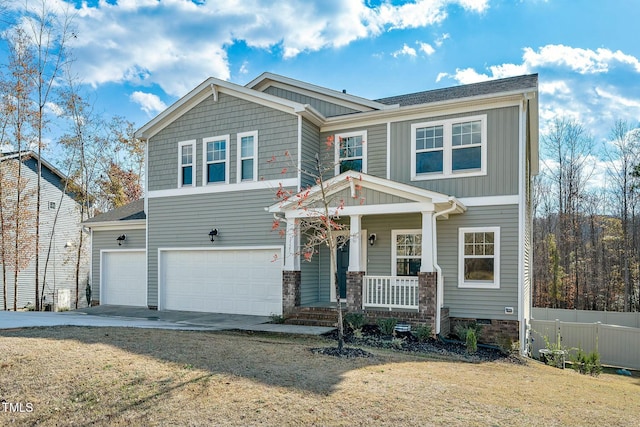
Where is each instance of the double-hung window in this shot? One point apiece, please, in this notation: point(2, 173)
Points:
point(216, 159)
point(479, 257)
point(351, 152)
point(406, 252)
point(449, 148)
point(247, 156)
point(186, 163)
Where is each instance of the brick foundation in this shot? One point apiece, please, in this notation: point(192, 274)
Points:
point(95, 302)
point(354, 291)
point(492, 330)
point(153, 307)
point(445, 322)
point(290, 291)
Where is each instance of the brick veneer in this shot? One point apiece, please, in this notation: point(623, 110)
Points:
point(354, 290)
point(290, 291)
point(492, 329)
point(427, 293)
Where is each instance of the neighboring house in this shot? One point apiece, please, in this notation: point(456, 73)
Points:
point(59, 237)
point(440, 225)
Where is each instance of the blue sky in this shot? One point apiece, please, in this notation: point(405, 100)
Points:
point(136, 57)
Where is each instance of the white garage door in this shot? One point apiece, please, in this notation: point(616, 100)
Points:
point(124, 278)
point(243, 281)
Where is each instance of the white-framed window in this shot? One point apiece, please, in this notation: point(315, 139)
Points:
point(186, 163)
point(449, 148)
point(248, 156)
point(479, 257)
point(215, 155)
point(351, 151)
point(52, 205)
point(406, 252)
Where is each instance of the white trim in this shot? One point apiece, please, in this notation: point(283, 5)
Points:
point(181, 144)
point(490, 200)
point(146, 271)
point(242, 186)
point(388, 150)
point(447, 149)
point(91, 266)
point(363, 260)
point(496, 258)
point(134, 224)
point(299, 153)
point(522, 206)
point(205, 163)
point(254, 135)
point(278, 259)
point(336, 143)
point(391, 208)
point(394, 247)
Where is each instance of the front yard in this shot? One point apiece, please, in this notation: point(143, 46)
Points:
point(123, 376)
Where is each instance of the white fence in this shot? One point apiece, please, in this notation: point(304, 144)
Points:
point(631, 320)
point(390, 292)
point(618, 345)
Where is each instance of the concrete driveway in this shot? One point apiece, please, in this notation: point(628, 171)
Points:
point(136, 317)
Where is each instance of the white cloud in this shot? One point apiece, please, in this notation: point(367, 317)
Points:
point(583, 61)
point(426, 48)
point(150, 103)
point(440, 40)
point(406, 50)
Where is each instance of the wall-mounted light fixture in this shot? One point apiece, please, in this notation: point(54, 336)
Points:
point(121, 239)
point(372, 238)
point(213, 233)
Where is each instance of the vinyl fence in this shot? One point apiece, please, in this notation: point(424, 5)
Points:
point(585, 316)
point(618, 345)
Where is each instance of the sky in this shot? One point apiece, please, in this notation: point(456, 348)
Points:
point(137, 57)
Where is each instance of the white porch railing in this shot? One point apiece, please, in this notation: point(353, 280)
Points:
point(390, 292)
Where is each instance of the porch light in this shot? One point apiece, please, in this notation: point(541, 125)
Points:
point(213, 233)
point(372, 238)
point(121, 239)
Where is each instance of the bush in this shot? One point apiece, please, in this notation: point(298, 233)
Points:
point(387, 326)
point(276, 318)
point(505, 343)
point(354, 320)
point(472, 341)
point(587, 364)
point(461, 330)
point(423, 332)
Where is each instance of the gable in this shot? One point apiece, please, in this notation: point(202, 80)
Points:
point(324, 107)
point(366, 197)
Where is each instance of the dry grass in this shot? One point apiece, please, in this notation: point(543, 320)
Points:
point(111, 376)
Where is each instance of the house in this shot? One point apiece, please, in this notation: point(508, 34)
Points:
point(440, 227)
point(60, 231)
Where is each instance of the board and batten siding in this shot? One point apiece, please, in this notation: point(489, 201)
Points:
point(106, 239)
point(185, 222)
point(502, 156)
point(325, 108)
point(277, 132)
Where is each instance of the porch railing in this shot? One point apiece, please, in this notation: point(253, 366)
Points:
point(390, 292)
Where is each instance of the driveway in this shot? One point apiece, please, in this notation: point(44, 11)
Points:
point(135, 317)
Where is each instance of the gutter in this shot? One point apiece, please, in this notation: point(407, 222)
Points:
point(434, 254)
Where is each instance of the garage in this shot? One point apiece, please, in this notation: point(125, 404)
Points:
point(124, 278)
point(234, 281)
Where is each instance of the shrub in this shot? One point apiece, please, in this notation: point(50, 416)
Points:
point(505, 344)
point(461, 330)
point(472, 341)
point(423, 332)
point(354, 320)
point(387, 326)
point(587, 364)
point(276, 318)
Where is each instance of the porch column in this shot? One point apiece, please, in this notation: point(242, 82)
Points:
point(427, 241)
point(292, 244)
point(354, 243)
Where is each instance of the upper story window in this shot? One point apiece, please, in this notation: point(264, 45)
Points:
point(247, 156)
point(479, 257)
point(216, 159)
point(351, 152)
point(449, 148)
point(186, 163)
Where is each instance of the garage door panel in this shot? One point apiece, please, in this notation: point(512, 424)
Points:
point(124, 278)
point(222, 281)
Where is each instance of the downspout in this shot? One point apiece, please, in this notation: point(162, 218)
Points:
point(434, 254)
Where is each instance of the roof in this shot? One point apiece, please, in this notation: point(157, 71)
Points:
point(510, 84)
point(129, 212)
point(33, 155)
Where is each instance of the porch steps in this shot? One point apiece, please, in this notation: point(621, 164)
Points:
point(313, 316)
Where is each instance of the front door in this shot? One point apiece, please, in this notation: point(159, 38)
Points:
point(342, 267)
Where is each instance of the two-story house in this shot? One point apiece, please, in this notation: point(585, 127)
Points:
point(435, 188)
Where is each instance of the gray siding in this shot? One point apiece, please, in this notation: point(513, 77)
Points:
point(277, 132)
point(366, 196)
point(60, 269)
point(106, 239)
point(185, 221)
point(310, 147)
point(502, 157)
point(310, 281)
point(379, 255)
point(325, 108)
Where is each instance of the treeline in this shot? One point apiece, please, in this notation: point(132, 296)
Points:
point(587, 219)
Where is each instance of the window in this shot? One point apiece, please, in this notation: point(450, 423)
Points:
point(186, 162)
point(247, 153)
point(351, 152)
point(449, 148)
point(52, 205)
point(407, 252)
point(216, 167)
point(479, 257)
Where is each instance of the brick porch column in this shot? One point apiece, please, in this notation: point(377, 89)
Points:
point(290, 291)
point(354, 290)
point(427, 301)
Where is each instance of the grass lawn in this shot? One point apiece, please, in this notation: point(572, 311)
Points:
point(122, 377)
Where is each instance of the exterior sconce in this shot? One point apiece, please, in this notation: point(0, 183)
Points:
point(121, 239)
point(213, 233)
point(372, 239)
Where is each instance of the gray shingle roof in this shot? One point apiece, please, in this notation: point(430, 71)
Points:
point(134, 210)
point(509, 84)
